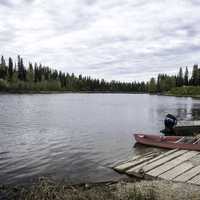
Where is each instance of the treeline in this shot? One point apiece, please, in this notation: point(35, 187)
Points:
point(15, 76)
point(165, 82)
point(36, 77)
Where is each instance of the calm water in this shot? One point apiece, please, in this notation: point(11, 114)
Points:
point(76, 137)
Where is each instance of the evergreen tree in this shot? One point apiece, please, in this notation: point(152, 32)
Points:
point(3, 68)
point(23, 70)
point(186, 77)
point(15, 75)
point(152, 85)
point(30, 73)
point(180, 79)
point(20, 70)
point(10, 68)
point(36, 73)
point(195, 76)
point(158, 83)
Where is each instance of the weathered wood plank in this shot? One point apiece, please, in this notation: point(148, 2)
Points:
point(188, 175)
point(157, 162)
point(143, 155)
point(117, 163)
point(188, 123)
point(123, 167)
point(174, 172)
point(164, 160)
point(171, 164)
point(135, 170)
point(195, 180)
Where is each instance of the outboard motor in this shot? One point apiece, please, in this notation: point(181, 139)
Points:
point(170, 121)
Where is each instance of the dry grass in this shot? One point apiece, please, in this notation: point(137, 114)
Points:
point(45, 189)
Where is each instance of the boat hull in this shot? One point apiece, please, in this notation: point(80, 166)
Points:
point(168, 142)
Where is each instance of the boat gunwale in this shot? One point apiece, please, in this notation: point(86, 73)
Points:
point(165, 144)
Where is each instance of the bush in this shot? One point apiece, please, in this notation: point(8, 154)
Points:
point(3, 85)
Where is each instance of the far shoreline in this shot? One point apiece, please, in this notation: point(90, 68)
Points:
point(32, 92)
point(179, 95)
point(67, 92)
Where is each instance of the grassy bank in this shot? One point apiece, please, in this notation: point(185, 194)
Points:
point(144, 190)
point(185, 91)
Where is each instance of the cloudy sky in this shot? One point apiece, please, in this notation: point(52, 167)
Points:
point(113, 39)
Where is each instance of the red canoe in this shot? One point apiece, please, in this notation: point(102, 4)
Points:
point(169, 142)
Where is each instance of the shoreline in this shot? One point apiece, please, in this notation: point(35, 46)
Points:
point(113, 190)
point(176, 95)
point(92, 92)
point(67, 92)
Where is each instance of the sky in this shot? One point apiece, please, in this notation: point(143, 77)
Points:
point(124, 40)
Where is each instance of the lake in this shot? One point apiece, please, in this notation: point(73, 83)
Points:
point(77, 137)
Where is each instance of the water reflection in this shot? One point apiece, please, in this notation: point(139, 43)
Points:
point(195, 111)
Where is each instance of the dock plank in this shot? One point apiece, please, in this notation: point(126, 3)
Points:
point(188, 175)
point(195, 180)
point(164, 160)
point(176, 171)
point(137, 168)
point(143, 155)
point(136, 157)
point(123, 167)
point(155, 172)
point(117, 163)
point(157, 162)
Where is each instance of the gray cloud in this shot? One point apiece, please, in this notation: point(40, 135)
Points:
point(113, 39)
point(5, 3)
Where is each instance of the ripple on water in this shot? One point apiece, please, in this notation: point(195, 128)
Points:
point(77, 137)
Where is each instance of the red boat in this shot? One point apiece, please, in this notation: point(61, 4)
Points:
point(169, 142)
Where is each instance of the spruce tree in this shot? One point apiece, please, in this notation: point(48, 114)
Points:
point(10, 68)
point(30, 73)
point(3, 68)
point(35, 73)
point(152, 85)
point(180, 79)
point(186, 76)
point(19, 66)
point(195, 76)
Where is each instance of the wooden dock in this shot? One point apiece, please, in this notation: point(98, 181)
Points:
point(175, 165)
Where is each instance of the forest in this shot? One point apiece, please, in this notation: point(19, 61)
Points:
point(16, 77)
